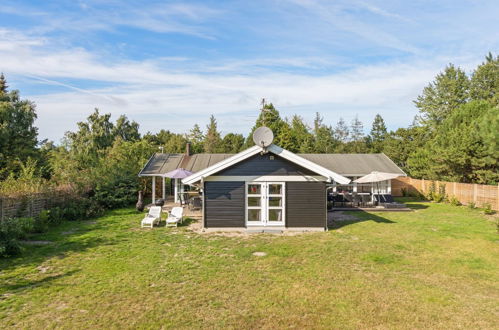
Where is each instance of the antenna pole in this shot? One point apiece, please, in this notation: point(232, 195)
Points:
point(263, 112)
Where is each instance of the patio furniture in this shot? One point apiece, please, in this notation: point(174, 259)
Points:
point(356, 199)
point(366, 199)
point(387, 201)
point(183, 198)
point(152, 217)
point(175, 216)
point(348, 198)
point(377, 177)
point(338, 199)
point(195, 203)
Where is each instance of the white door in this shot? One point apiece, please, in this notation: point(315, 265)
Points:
point(265, 204)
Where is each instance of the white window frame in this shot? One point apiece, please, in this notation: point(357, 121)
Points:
point(264, 204)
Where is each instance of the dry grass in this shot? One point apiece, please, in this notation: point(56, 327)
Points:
point(436, 267)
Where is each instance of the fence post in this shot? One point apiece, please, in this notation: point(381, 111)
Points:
point(475, 193)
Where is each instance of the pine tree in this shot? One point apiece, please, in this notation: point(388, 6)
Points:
point(232, 143)
point(484, 83)
point(270, 118)
point(323, 136)
point(196, 137)
point(378, 134)
point(357, 142)
point(440, 98)
point(341, 131)
point(303, 140)
point(212, 140)
point(3, 84)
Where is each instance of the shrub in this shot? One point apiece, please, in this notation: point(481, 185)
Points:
point(430, 194)
point(472, 205)
point(454, 201)
point(404, 192)
point(487, 209)
point(11, 230)
point(42, 222)
point(55, 215)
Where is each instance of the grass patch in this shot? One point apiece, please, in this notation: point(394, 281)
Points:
point(436, 267)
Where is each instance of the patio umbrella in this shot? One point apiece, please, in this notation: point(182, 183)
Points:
point(377, 177)
point(179, 173)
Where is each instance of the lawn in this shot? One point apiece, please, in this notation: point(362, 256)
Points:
point(436, 267)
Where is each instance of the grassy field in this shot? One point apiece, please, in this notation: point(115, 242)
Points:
point(436, 267)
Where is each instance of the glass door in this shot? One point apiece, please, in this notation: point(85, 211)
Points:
point(265, 204)
point(254, 204)
point(275, 204)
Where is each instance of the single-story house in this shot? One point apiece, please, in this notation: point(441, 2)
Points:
point(269, 186)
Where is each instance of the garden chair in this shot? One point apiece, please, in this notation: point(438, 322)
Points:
point(174, 217)
point(195, 203)
point(152, 217)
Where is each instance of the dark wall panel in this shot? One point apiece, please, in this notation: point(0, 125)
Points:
point(264, 165)
point(224, 204)
point(306, 204)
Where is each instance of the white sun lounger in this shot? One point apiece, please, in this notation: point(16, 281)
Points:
point(174, 217)
point(152, 218)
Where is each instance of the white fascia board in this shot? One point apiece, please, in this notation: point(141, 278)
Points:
point(307, 164)
point(222, 165)
point(268, 178)
point(275, 150)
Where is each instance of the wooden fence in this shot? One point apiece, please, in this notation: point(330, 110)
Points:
point(31, 205)
point(465, 192)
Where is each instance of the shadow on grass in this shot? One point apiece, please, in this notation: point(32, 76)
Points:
point(67, 237)
point(418, 206)
point(185, 223)
point(21, 284)
point(360, 215)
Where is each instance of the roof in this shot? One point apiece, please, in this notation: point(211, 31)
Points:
point(355, 164)
point(283, 153)
point(160, 164)
point(343, 164)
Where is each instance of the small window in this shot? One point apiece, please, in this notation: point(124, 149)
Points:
point(254, 189)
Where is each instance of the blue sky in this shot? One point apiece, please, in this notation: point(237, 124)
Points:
point(170, 64)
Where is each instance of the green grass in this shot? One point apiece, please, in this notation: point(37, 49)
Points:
point(436, 267)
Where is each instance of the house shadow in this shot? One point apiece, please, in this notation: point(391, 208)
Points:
point(338, 219)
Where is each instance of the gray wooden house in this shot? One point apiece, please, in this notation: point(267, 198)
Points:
point(269, 187)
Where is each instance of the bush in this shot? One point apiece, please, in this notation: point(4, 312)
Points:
point(430, 194)
point(472, 205)
point(454, 201)
point(56, 215)
point(11, 230)
point(487, 209)
point(404, 192)
point(42, 222)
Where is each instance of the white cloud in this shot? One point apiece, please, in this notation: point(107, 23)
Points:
point(160, 97)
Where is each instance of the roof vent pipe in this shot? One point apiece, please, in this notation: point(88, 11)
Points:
point(188, 148)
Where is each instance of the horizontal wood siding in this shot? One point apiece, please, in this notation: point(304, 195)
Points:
point(306, 204)
point(224, 204)
point(264, 165)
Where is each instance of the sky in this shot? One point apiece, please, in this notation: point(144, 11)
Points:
point(171, 64)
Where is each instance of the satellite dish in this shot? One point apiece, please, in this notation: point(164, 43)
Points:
point(263, 136)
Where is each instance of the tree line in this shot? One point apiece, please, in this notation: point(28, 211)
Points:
point(454, 138)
